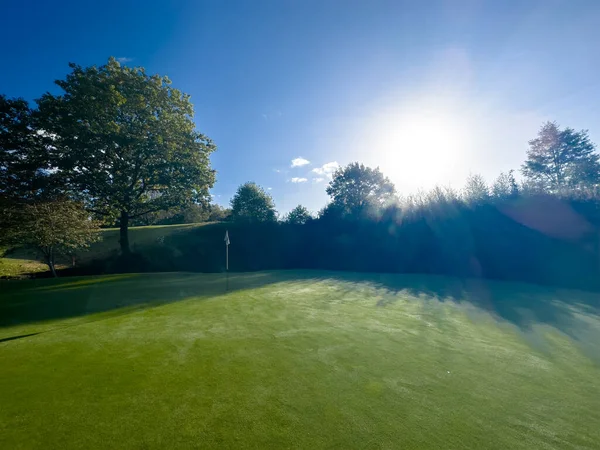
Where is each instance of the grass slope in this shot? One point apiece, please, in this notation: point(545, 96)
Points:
point(297, 360)
point(22, 261)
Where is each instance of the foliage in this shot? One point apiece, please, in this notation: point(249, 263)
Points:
point(192, 213)
point(55, 228)
point(252, 203)
point(188, 213)
point(546, 239)
point(218, 213)
point(356, 189)
point(505, 186)
point(476, 190)
point(125, 142)
point(298, 216)
point(559, 158)
point(23, 155)
point(9, 221)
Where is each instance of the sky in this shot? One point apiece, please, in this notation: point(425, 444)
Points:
point(429, 91)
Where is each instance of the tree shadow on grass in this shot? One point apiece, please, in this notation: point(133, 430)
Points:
point(31, 301)
point(573, 312)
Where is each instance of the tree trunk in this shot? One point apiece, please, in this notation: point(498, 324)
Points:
point(52, 269)
point(124, 233)
point(50, 262)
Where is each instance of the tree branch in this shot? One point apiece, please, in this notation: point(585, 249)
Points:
point(95, 211)
point(147, 212)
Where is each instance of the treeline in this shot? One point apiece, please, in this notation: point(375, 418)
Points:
point(530, 237)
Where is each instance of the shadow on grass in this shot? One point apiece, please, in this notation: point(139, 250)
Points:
point(521, 304)
point(14, 338)
point(28, 301)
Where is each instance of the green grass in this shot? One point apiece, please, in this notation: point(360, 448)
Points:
point(297, 360)
point(21, 261)
point(13, 267)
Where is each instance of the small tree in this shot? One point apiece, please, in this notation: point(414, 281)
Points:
point(252, 204)
point(505, 186)
point(356, 188)
point(56, 228)
point(476, 190)
point(298, 216)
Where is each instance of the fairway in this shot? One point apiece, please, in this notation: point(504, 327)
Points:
point(297, 359)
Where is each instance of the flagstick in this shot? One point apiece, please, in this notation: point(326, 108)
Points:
point(226, 267)
point(226, 260)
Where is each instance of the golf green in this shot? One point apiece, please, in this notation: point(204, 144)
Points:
point(300, 359)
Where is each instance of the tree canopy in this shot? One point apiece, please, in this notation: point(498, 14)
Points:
point(476, 189)
point(298, 216)
point(505, 186)
point(561, 158)
point(252, 204)
point(23, 153)
point(125, 142)
point(356, 188)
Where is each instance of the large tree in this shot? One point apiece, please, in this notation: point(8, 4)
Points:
point(252, 204)
point(561, 158)
point(125, 142)
point(356, 188)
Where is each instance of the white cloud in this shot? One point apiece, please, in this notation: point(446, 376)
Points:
point(299, 162)
point(327, 169)
point(269, 189)
point(299, 180)
point(271, 115)
point(124, 59)
point(318, 180)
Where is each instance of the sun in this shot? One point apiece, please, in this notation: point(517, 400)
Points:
point(420, 149)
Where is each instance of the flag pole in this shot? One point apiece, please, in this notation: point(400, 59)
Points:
point(227, 267)
point(226, 260)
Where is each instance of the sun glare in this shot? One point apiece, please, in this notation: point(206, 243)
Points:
point(420, 147)
point(422, 150)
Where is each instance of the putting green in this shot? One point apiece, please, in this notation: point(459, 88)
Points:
point(299, 359)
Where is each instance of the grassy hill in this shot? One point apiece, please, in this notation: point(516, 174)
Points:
point(299, 359)
point(20, 262)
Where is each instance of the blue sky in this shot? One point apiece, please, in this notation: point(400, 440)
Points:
point(430, 91)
